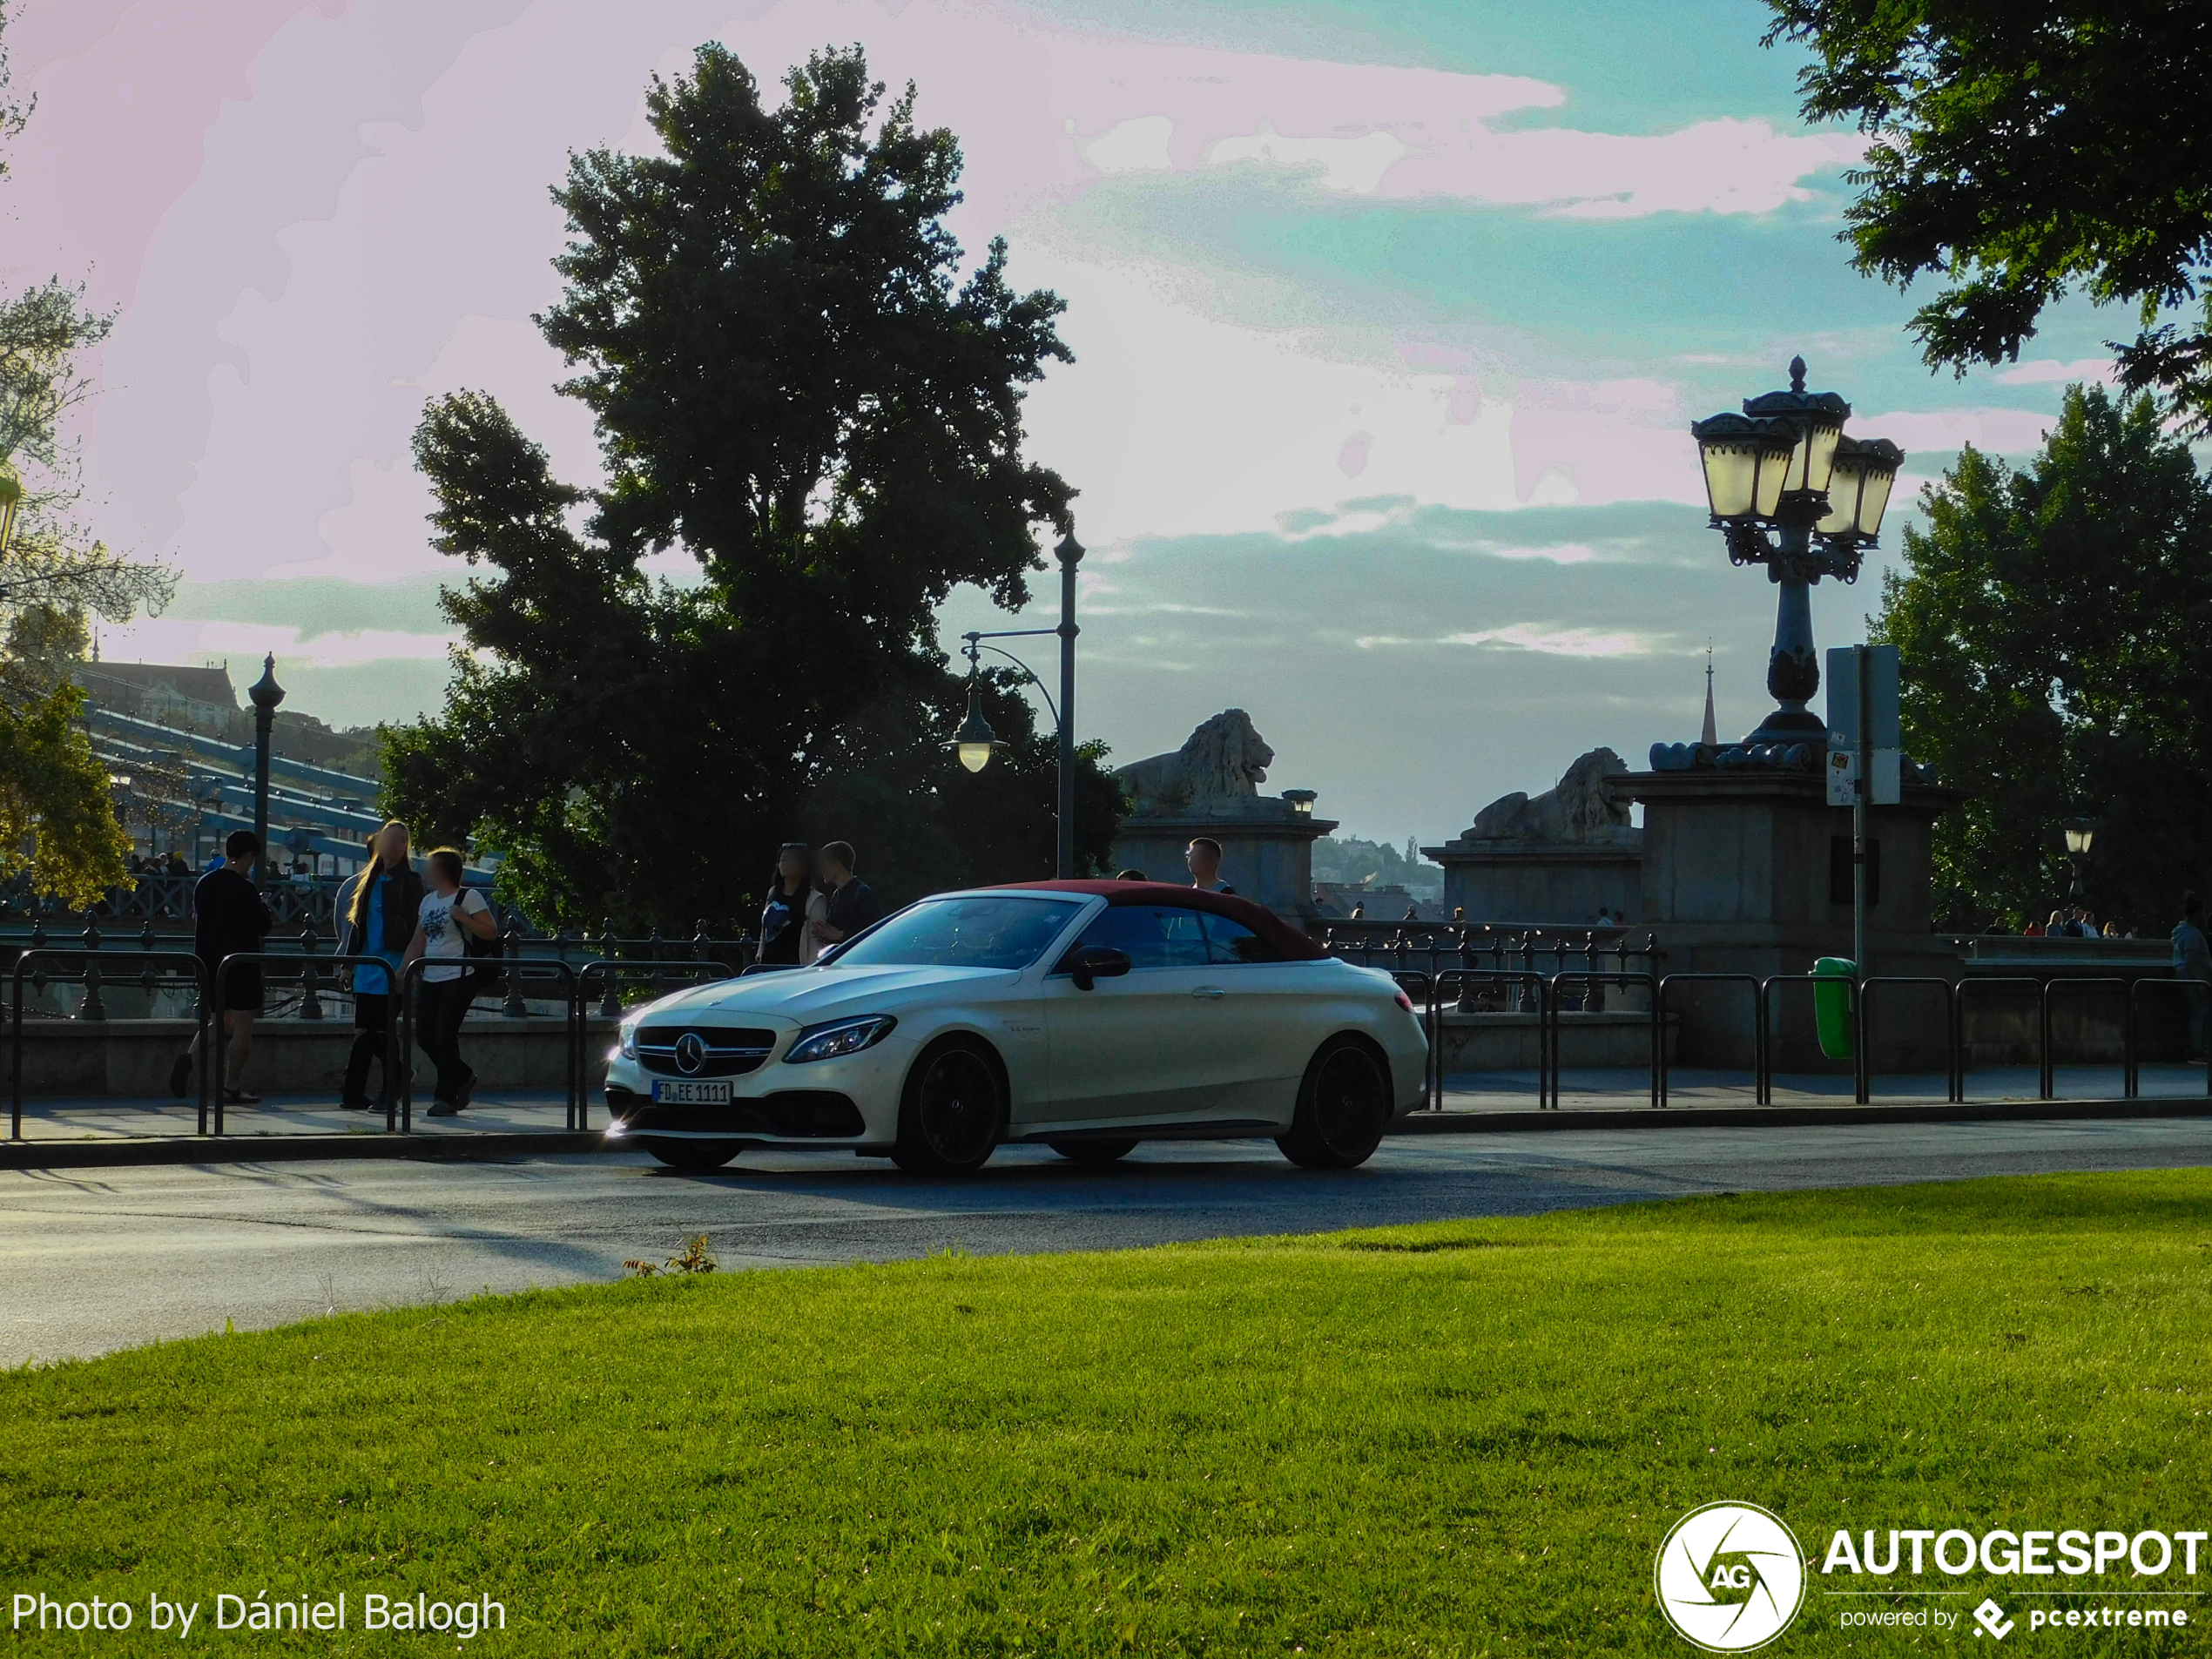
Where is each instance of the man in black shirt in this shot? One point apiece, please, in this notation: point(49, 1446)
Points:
point(229, 919)
point(851, 902)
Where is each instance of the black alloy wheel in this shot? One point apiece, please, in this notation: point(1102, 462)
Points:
point(1344, 1105)
point(1100, 1152)
point(950, 1113)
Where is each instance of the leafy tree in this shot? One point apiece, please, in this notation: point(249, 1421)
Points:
point(2022, 151)
point(2055, 625)
point(56, 820)
point(793, 389)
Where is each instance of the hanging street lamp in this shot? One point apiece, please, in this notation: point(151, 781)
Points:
point(975, 742)
point(1788, 490)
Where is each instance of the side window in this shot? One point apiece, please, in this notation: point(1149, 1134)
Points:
point(1150, 935)
point(1232, 941)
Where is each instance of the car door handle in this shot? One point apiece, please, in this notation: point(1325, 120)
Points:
point(1212, 993)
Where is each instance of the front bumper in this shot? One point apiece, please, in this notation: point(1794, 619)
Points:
point(851, 1101)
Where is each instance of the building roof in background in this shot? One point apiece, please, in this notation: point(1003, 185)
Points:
point(211, 686)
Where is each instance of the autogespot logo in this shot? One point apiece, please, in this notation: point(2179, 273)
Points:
point(1730, 1577)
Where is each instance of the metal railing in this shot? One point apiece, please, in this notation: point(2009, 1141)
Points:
point(94, 972)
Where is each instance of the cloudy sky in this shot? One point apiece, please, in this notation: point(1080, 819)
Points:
point(1388, 318)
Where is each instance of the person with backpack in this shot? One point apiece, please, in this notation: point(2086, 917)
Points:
point(380, 918)
point(448, 914)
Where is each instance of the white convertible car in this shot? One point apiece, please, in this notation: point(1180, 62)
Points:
point(1087, 1015)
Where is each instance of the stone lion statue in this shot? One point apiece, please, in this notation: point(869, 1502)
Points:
point(1579, 809)
point(1224, 758)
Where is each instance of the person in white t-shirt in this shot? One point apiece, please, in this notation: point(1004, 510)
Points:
point(447, 988)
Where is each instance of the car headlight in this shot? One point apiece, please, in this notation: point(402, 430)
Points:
point(626, 1041)
point(839, 1037)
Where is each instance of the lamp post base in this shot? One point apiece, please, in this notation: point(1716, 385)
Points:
point(1790, 725)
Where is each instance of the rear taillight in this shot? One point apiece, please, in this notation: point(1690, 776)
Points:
point(1405, 1001)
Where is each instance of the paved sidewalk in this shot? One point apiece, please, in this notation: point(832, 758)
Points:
point(494, 1111)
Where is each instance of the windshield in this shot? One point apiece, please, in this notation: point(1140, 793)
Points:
point(991, 932)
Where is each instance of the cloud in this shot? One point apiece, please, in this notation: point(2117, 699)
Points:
point(1343, 163)
point(2004, 432)
point(2048, 371)
point(1560, 642)
point(1138, 144)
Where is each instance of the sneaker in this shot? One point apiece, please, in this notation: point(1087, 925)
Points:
point(181, 1076)
point(445, 1109)
point(240, 1097)
point(467, 1092)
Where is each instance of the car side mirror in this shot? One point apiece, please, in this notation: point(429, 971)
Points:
point(1088, 964)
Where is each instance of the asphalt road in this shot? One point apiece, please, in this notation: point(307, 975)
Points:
point(96, 1259)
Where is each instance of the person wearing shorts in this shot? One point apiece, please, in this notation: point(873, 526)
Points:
point(229, 919)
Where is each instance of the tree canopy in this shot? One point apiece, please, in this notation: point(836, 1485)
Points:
point(2055, 625)
point(2023, 151)
point(56, 818)
point(797, 393)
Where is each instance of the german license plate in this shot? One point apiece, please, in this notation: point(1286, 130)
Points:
point(691, 1091)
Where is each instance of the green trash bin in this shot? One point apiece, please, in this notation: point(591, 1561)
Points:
point(1837, 980)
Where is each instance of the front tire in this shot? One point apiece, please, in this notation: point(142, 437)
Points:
point(1093, 1151)
point(951, 1111)
point(694, 1157)
point(1344, 1105)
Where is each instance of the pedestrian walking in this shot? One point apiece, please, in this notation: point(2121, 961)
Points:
point(385, 908)
point(1203, 856)
point(853, 905)
point(229, 919)
point(448, 911)
point(795, 906)
point(2193, 966)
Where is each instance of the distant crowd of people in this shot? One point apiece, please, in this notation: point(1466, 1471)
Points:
point(2074, 922)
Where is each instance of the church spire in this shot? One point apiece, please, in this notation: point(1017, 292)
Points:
point(1710, 735)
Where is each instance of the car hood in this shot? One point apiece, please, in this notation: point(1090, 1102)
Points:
point(809, 996)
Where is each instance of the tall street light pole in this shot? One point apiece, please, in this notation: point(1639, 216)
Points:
point(976, 742)
point(1071, 552)
point(1790, 491)
point(265, 694)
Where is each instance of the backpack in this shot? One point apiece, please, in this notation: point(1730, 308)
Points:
point(484, 966)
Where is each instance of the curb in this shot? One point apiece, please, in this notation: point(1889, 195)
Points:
point(1973, 1111)
point(121, 1152)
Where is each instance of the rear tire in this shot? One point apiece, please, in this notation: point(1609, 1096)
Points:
point(1093, 1151)
point(1344, 1105)
point(695, 1157)
point(952, 1110)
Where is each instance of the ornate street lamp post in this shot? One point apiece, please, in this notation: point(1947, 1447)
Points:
point(265, 694)
point(1790, 491)
point(975, 742)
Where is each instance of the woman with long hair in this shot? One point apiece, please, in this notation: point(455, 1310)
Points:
point(795, 903)
point(381, 919)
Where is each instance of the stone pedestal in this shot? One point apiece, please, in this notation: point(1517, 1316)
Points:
point(1266, 849)
point(1739, 876)
point(1546, 883)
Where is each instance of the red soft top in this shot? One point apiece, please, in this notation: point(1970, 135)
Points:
point(1294, 945)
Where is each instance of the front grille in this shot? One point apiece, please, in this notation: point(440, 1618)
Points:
point(795, 1113)
point(728, 1052)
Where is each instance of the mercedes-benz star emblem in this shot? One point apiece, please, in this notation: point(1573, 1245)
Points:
point(691, 1052)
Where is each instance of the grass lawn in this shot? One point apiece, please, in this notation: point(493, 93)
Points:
point(1464, 1438)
